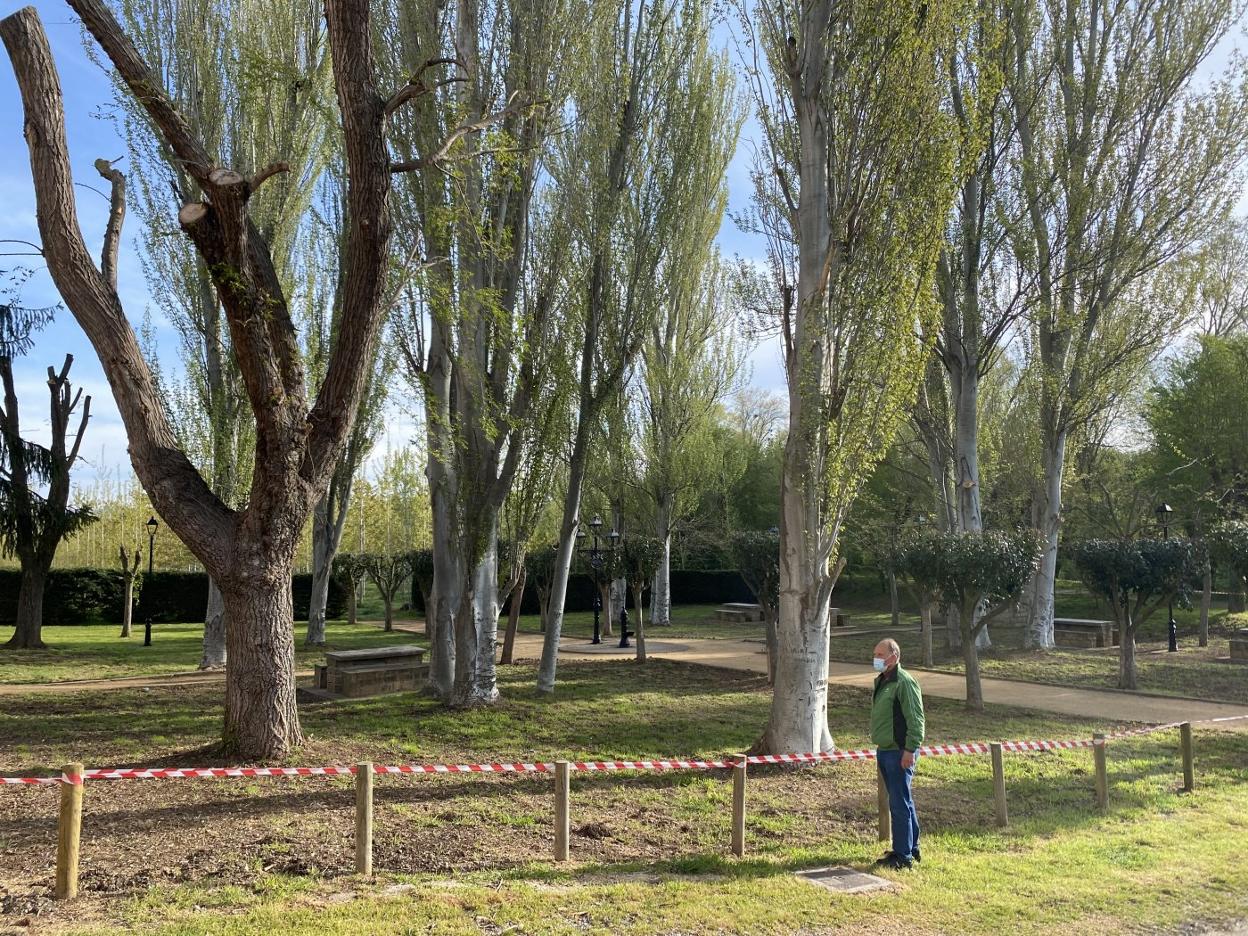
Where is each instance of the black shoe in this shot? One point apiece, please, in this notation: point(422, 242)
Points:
point(915, 854)
point(897, 863)
point(887, 857)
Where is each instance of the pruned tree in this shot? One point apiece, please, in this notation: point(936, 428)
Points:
point(980, 574)
point(422, 565)
point(1136, 577)
point(388, 573)
point(1124, 163)
point(129, 572)
point(853, 211)
point(756, 556)
point(247, 550)
point(350, 567)
point(32, 524)
point(641, 557)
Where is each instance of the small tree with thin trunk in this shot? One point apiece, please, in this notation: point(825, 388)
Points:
point(1136, 578)
point(129, 572)
point(642, 557)
point(350, 568)
point(979, 574)
point(540, 568)
point(421, 561)
point(388, 573)
point(757, 558)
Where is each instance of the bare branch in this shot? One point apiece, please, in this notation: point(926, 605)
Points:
point(116, 215)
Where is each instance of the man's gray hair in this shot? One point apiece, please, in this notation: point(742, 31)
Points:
point(894, 648)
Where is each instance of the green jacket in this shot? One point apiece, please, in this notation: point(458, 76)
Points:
point(897, 712)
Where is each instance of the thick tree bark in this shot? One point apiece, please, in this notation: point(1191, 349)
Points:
point(214, 651)
point(29, 624)
point(261, 720)
point(639, 626)
point(476, 634)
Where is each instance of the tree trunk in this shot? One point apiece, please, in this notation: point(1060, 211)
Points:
point(639, 628)
point(214, 652)
point(27, 635)
point(387, 599)
point(893, 603)
point(353, 603)
point(447, 581)
point(953, 629)
point(513, 619)
point(926, 627)
point(661, 596)
point(127, 609)
point(476, 631)
point(1040, 628)
point(799, 702)
point(970, 656)
point(1206, 598)
point(261, 720)
point(322, 562)
point(773, 645)
point(608, 609)
point(1126, 656)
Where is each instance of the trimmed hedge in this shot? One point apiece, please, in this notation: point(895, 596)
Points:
point(80, 596)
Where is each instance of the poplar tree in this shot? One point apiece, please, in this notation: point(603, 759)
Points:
point(853, 189)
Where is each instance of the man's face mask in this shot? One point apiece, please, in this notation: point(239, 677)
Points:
point(881, 663)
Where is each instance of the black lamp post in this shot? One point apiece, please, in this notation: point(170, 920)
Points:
point(596, 561)
point(1164, 512)
point(152, 526)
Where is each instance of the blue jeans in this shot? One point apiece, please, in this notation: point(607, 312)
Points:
point(900, 804)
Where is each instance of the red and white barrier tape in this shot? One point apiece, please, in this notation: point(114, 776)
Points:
point(934, 750)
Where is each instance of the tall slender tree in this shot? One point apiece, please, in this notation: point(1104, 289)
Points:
point(1123, 164)
point(853, 190)
point(478, 334)
point(632, 185)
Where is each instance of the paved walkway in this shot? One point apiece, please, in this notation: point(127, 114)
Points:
point(749, 656)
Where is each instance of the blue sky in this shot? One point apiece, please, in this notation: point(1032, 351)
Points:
point(87, 92)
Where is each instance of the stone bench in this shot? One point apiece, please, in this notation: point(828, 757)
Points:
point(351, 674)
point(739, 611)
point(1239, 646)
point(1082, 632)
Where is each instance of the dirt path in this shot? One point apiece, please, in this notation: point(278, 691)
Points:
point(747, 655)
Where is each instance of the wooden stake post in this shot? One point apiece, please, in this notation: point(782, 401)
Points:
point(69, 834)
point(1189, 767)
point(738, 807)
point(998, 784)
point(364, 818)
point(886, 816)
point(563, 791)
point(1102, 776)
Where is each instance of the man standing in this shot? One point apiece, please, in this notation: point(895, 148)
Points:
point(897, 732)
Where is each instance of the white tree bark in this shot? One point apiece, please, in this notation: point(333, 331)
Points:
point(214, 651)
point(661, 595)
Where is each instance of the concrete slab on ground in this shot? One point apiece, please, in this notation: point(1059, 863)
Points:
point(843, 880)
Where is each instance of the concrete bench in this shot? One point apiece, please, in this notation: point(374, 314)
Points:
point(351, 674)
point(1239, 646)
point(739, 611)
point(1082, 632)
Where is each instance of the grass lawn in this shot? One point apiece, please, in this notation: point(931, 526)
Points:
point(469, 854)
point(94, 651)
